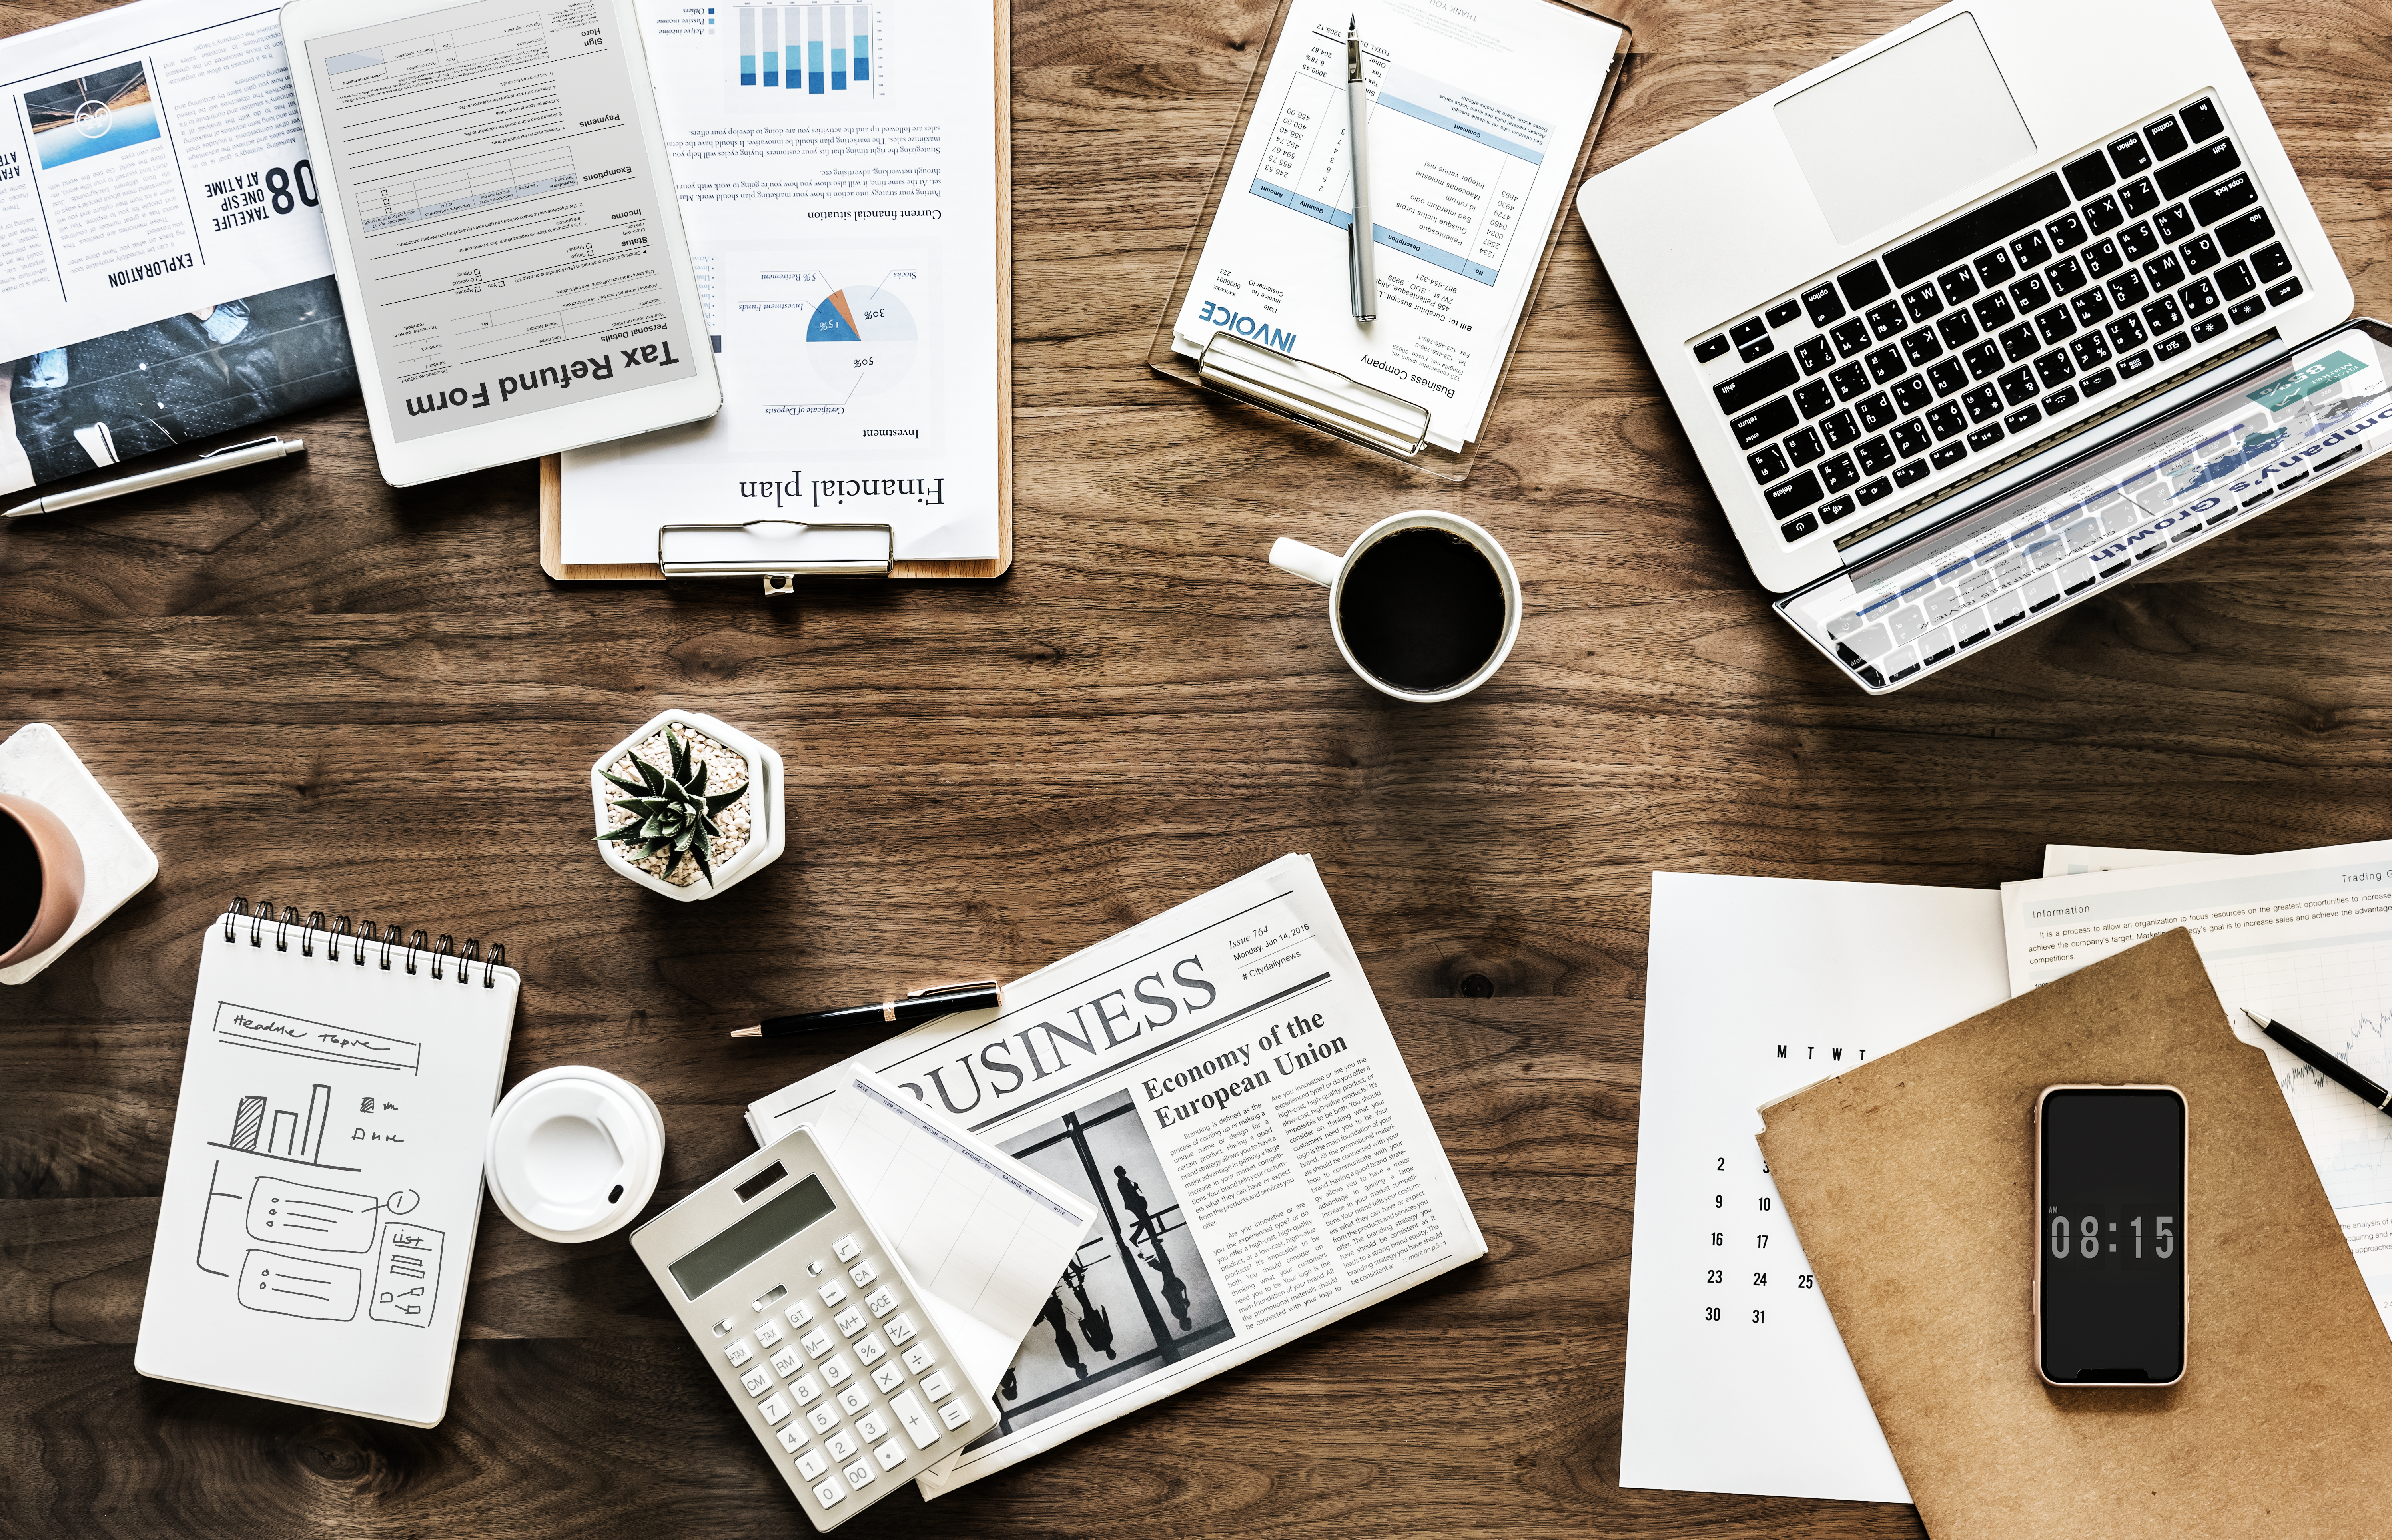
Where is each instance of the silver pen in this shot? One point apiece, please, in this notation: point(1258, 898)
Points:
point(272, 446)
point(1358, 239)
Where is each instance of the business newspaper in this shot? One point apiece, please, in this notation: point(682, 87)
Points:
point(163, 271)
point(1220, 1082)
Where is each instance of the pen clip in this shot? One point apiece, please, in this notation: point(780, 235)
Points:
point(236, 448)
point(951, 989)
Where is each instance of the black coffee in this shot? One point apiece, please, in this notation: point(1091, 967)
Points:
point(1422, 610)
point(20, 881)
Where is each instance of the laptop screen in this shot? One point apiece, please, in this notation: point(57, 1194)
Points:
point(2046, 545)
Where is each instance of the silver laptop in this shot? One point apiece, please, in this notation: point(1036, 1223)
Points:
point(1988, 314)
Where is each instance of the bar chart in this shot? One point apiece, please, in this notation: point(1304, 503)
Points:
point(812, 48)
point(283, 1133)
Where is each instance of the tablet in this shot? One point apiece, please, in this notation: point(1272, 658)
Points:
point(503, 225)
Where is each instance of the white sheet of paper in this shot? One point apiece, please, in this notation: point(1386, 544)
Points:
point(2074, 860)
point(1755, 988)
point(983, 1236)
point(2301, 936)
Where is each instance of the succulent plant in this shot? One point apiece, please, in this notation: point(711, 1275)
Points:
point(671, 814)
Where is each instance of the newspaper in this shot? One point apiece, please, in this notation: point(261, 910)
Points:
point(163, 270)
point(1220, 1082)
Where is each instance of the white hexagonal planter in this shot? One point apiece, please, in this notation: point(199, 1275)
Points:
point(768, 833)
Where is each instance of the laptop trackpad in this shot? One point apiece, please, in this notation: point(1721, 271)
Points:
point(1886, 141)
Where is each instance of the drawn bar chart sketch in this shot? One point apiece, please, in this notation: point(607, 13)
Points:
point(816, 49)
point(283, 1133)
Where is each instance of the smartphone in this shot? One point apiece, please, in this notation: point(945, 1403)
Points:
point(2110, 1282)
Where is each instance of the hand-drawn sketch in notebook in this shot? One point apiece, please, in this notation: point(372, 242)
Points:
point(325, 1175)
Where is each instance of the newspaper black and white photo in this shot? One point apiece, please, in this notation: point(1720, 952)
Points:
point(164, 269)
point(1220, 1082)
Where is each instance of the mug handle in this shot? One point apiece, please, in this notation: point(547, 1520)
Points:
point(1306, 561)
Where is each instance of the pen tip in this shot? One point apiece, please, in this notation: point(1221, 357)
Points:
point(2255, 1018)
point(747, 1031)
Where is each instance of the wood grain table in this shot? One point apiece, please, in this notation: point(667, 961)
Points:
point(301, 684)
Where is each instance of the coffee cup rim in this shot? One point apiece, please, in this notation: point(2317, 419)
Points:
point(1481, 540)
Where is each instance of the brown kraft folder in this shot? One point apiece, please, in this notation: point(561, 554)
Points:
point(1911, 1183)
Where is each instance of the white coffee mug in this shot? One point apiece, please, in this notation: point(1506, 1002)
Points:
point(1330, 572)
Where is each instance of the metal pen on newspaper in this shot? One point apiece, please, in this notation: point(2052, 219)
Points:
point(1357, 235)
point(272, 446)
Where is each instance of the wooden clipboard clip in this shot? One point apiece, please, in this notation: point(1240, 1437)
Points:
point(778, 550)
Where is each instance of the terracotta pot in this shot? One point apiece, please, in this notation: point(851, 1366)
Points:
point(61, 878)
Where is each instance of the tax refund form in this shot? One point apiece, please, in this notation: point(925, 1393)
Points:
point(1477, 114)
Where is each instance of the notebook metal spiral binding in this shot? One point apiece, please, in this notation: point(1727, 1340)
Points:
point(355, 939)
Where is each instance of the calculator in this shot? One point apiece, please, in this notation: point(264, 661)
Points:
point(813, 1327)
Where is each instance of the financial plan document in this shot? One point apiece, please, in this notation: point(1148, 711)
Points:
point(500, 203)
point(2301, 936)
point(1756, 987)
point(1477, 113)
point(840, 179)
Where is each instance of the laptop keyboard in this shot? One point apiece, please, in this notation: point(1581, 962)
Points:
point(1974, 345)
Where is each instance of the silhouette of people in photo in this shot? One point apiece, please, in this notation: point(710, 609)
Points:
point(1053, 1315)
point(1096, 1321)
point(1175, 1291)
point(1133, 1199)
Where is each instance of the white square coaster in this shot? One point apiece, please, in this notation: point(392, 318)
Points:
point(117, 863)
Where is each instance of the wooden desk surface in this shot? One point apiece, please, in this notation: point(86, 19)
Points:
point(300, 684)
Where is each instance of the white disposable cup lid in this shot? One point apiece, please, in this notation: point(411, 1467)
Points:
point(574, 1153)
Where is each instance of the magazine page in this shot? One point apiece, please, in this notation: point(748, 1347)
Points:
point(1220, 1083)
point(163, 271)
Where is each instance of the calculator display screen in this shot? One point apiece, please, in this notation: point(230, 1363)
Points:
point(752, 1236)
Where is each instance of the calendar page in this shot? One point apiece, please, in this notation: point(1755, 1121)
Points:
point(1756, 988)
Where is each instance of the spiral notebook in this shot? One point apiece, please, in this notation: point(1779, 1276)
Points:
point(325, 1175)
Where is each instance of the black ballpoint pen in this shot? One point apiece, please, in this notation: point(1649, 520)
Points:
point(917, 1007)
point(2326, 1064)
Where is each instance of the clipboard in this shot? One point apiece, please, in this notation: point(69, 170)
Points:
point(796, 549)
point(1911, 1183)
point(1316, 397)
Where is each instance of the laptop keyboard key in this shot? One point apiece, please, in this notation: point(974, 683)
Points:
point(2129, 155)
point(2200, 254)
point(1885, 366)
point(1947, 377)
point(1757, 348)
point(1957, 330)
point(2029, 294)
point(1863, 285)
point(2127, 290)
point(1822, 304)
point(2101, 259)
point(1795, 529)
point(2236, 281)
point(1789, 498)
point(2055, 324)
point(2270, 264)
point(2139, 197)
point(1814, 355)
point(1905, 474)
point(2089, 351)
point(2097, 381)
point(2019, 385)
point(2173, 223)
point(1912, 395)
point(2060, 400)
point(1814, 398)
point(1985, 404)
point(2054, 370)
point(2030, 249)
point(2125, 332)
point(2199, 169)
point(1922, 303)
point(2285, 293)
point(1849, 381)
point(1993, 312)
point(2138, 241)
point(1833, 509)
point(1710, 348)
point(1740, 393)
point(2199, 297)
point(1838, 428)
point(1994, 268)
point(2102, 214)
point(2238, 234)
point(1982, 359)
point(1910, 439)
point(2249, 310)
point(2164, 272)
point(1805, 447)
point(2200, 120)
point(2167, 140)
point(2020, 343)
point(2169, 347)
point(1838, 474)
point(2162, 315)
point(1876, 413)
point(1870, 492)
point(1850, 337)
point(1885, 320)
point(2022, 420)
point(2067, 233)
point(1985, 437)
point(1946, 420)
point(2133, 364)
point(2065, 276)
point(1921, 348)
point(1768, 463)
point(1764, 422)
point(2214, 327)
point(1875, 456)
point(1959, 286)
point(1746, 331)
point(1786, 314)
point(2088, 175)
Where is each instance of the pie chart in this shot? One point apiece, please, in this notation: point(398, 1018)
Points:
point(862, 341)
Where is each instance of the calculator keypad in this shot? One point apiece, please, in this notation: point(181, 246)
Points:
point(846, 1389)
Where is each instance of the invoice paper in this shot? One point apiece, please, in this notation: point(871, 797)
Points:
point(983, 1236)
point(163, 271)
point(1756, 987)
point(499, 198)
point(839, 178)
point(1477, 113)
point(2301, 936)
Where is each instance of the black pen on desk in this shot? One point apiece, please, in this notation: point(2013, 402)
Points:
point(917, 1007)
point(2326, 1064)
